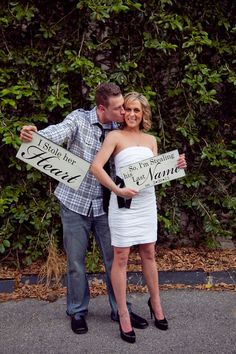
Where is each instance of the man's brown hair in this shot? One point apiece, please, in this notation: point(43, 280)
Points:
point(104, 91)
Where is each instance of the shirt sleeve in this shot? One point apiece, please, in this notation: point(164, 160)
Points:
point(64, 131)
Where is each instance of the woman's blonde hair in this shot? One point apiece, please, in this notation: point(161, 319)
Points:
point(147, 113)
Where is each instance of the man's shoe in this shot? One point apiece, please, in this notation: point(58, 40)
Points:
point(79, 326)
point(137, 321)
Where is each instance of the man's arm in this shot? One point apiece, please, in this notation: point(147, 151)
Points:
point(58, 133)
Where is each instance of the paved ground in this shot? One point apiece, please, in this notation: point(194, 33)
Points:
point(136, 278)
point(200, 322)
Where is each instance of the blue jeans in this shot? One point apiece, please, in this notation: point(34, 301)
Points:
point(76, 230)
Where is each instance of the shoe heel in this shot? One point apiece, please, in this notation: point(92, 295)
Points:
point(128, 337)
point(160, 324)
point(150, 307)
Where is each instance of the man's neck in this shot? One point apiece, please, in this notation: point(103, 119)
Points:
point(101, 117)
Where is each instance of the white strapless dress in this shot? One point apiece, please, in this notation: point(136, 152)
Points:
point(137, 225)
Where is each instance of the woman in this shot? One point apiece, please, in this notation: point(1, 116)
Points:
point(134, 224)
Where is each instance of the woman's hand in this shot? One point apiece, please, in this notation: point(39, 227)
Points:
point(127, 193)
point(181, 162)
point(26, 133)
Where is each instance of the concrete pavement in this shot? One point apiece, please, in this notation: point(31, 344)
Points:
point(200, 322)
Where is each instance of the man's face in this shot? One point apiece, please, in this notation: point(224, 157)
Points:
point(115, 111)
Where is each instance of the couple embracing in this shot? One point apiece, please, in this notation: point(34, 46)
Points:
point(132, 216)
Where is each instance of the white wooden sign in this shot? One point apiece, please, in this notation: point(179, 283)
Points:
point(152, 171)
point(54, 160)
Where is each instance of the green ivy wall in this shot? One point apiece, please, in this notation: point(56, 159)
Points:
point(180, 54)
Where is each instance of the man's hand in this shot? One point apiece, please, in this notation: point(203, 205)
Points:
point(181, 162)
point(26, 133)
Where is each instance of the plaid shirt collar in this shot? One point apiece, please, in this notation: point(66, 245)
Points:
point(94, 120)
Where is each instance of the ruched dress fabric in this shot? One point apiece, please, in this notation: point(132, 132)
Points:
point(138, 224)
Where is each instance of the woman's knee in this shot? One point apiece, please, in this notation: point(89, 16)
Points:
point(147, 252)
point(121, 257)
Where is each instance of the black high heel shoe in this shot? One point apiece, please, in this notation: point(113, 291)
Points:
point(161, 324)
point(126, 336)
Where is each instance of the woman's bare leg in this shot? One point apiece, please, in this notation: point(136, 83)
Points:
point(119, 280)
point(147, 253)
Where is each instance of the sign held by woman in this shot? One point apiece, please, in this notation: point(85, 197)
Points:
point(152, 171)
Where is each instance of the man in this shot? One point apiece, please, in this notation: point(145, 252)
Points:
point(82, 211)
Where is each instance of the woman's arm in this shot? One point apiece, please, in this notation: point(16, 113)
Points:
point(154, 145)
point(108, 147)
point(181, 162)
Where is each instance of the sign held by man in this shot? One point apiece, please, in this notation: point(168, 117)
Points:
point(54, 161)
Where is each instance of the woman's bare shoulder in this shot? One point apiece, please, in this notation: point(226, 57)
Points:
point(152, 142)
point(150, 138)
point(113, 136)
point(115, 133)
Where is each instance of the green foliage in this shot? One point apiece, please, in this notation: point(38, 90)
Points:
point(181, 56)
point(93, 259)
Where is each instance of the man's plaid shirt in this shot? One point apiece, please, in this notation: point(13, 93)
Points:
point(82, 131)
